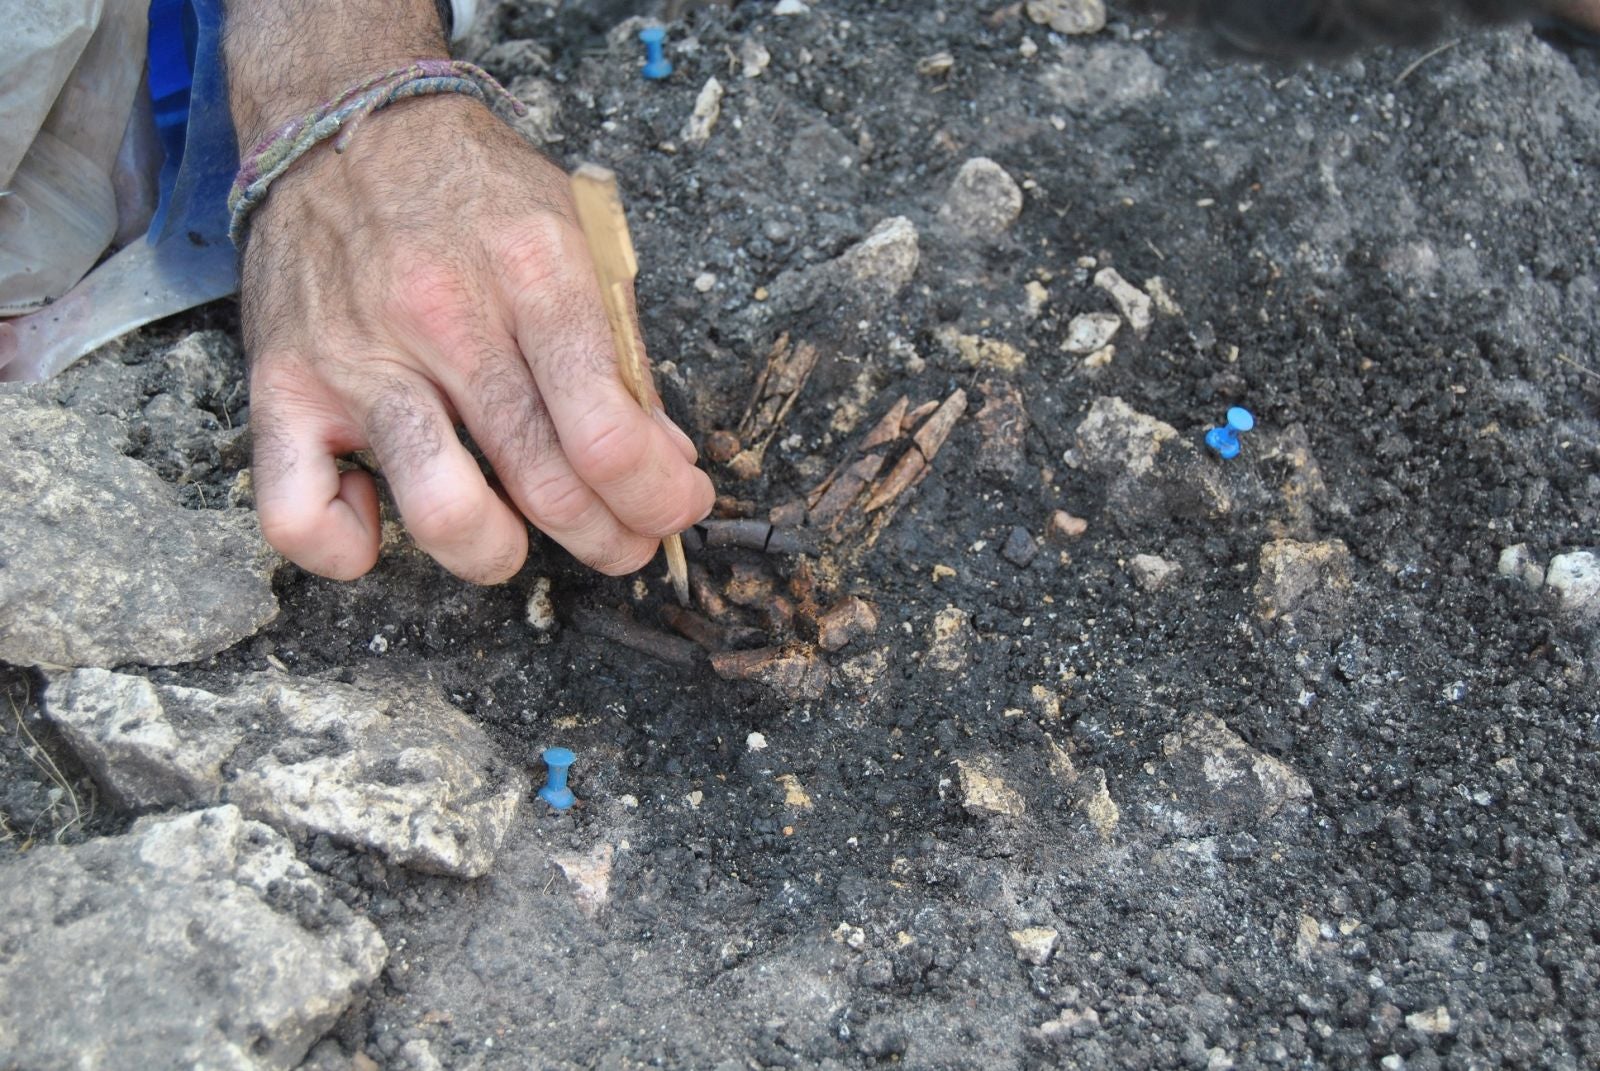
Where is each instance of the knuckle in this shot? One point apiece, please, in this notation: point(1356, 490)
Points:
point(445, 518)
point(608, 448)
point(291, 533)
point(539, 252)
point(433, 298)
point(559, 500)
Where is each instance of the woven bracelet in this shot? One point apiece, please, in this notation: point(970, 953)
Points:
point(280, 149)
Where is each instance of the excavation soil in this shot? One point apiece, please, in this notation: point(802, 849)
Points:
point(1392, 262)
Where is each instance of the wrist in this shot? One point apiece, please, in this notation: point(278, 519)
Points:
point(286, 57)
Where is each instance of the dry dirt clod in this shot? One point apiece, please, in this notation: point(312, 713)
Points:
point(978, 352)
point(985, 794)
point(1152, 572)
point(1002, 429)
point(950, 649)
point(845, 621)
point(1304, 585)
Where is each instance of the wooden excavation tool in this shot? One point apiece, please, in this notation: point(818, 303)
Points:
point(605, 228)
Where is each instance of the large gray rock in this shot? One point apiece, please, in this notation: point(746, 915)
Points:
point(873, 270)
point(1150, 470)
point(99, 565)
point(1214, 782)
point(1104, 79)
point(385, 766)
point(194, 941)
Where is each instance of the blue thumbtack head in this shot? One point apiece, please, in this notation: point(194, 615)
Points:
point(656, 65)
point(555, 791)
point(1225, 440)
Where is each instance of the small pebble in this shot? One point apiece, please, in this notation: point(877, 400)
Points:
point(704, 282)
point(541, 612)
point(1065, 526)
point(755, 742)
point(1152, 572)
point(1020, 547)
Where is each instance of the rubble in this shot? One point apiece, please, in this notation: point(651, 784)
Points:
point(1575, 579)
point(1304, 586)
point(1035, 944)
point(1091, 331)
point(590, 877)
point(1074, 17)
point(873, 270)
point(703, 120)
point(1134, 304)
point(984, 793)
point(1214, 782)
point(983, 200)
point(386, 765)
point(1150, 471)
point(1020, 548)
point(1152, 572)
point(191, 941)
point(150, 582)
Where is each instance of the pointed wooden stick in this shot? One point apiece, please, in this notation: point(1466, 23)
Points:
point(605, 228)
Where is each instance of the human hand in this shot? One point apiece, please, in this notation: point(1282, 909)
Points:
point(434, 275)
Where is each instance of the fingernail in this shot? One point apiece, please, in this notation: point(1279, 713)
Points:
point(676, 432)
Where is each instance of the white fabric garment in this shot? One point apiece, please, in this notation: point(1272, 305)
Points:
point(67, 95)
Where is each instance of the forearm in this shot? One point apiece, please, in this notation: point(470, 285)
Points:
point(285, 57)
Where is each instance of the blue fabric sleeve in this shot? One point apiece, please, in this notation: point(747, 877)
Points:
point(189, 93)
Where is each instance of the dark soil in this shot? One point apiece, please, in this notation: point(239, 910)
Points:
point(1405, 268)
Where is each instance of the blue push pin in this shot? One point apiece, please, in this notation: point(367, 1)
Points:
point(1225, 440)
point(656, 65)
point(555, 791)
